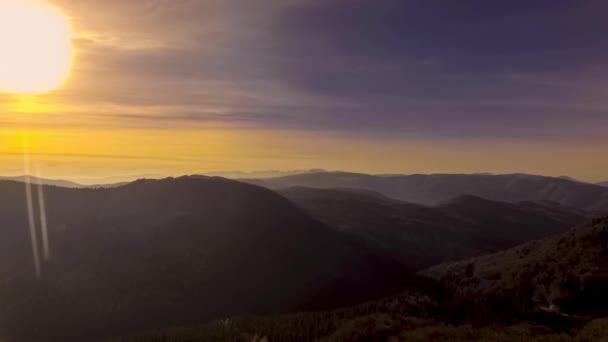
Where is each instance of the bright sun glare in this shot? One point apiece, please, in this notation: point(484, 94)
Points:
point(35, 47)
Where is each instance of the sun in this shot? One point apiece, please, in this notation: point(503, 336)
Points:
point(35, 47)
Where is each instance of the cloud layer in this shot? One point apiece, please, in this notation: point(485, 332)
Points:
point(311, 83)
point(426, 68)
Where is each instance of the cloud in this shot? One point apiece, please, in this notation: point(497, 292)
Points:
point(532, 66)
point(411, 68)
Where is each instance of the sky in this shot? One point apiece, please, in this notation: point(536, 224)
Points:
point(171, 87)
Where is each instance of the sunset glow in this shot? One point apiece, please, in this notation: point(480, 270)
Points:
point(136, 88)
point(36, 48)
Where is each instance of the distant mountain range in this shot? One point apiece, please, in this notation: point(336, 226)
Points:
point(59, 182)
point(420, 236)
point(423, 189)
point(157, 253)
point(260, 174)
point(433, 189)
point(44, 181)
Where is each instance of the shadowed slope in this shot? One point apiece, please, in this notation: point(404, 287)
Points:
point(567, 273)
point(159, 253)
point(507, 296)
point(420, 236)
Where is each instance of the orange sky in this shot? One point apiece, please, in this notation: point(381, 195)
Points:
point(86, 155)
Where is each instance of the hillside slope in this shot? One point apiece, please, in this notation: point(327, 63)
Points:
point(567, 273)
point(160, 253)
point(421, 236)
point(551, 290)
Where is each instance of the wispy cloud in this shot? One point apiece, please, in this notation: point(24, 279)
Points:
point(396, 67)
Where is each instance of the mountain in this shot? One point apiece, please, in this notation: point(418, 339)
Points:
point(421, 236)
point(259, 174)
point(566, 275)
point(116, 179)
point(550, 290)
point(159, 253)
point(44, 181)
point(605, 184)
point(432, 189)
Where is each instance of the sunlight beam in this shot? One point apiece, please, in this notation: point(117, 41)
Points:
point(43, 224)
point(30, 207)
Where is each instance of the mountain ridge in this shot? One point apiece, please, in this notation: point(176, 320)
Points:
point(431, 189)
point(44, 181)
point(420, 235)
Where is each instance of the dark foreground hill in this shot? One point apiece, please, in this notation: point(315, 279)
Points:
point(433, 189)
point(154, 254)
point(371, 322)
point(566, 274)
point(553, 290)
point(421, 236)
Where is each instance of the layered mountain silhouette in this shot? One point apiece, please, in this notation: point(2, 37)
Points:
point(160, 253)
point(421, 236)
point(432, 189)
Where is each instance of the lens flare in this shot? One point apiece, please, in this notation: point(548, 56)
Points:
point(46, 249)
point(30, 208)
